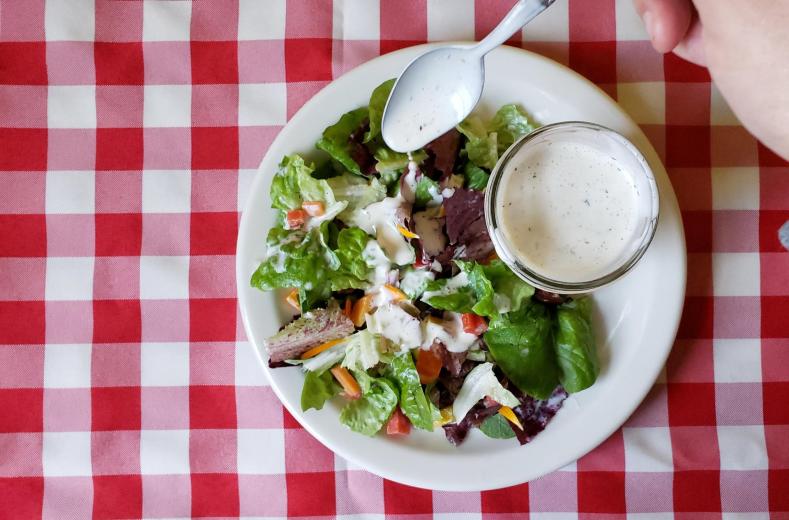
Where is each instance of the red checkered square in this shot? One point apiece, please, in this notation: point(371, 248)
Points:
point(116, 277)
point(602, 12)
point(118, 234)
point(638, 61)
point(687, 103)
point(69, 322)
point(22, 497)
point(24, 279)
point(165, 408)
point(23, 235)
point(115, 408)
point(677, 69)
point(116, 321)
point(402, 34)
point(778, 484)
point(691, 361)
point(777, 449)
point(300, 93)
point(513, 499)
point(23, 20)
point(70, 63)
point(214, 190)
point(776, 397)
point(216, 21)
point(775, 359)
point(119, 106)
point(698, 231)
point(733, 146)
point(261, 61)
point(22, 366)
point(115, 364)
point(214, 62)
point(24, 63)
point(694, 447)
point(769, 224)
point(214, 105)
point(118, 63)
point(308, 59)
point(22, 410)
point(118, 21)
point(213, 233)
point(601, 492)
point(212, 451)
point(691, 404)
point(26, 451)
point(29, 145)
point(212, 319)
point(115, 453)
point(21, 322)
point(735, 231)
point(354, 53)
point(769, 158)
point(304, 454)
point(212, 407)
point(699, 275)
point(774, 188)
point(312, 494)
point(653, 411)
point(67, 409)
point(212, 363)
point(307, 19)
point(215, 148)
point(488, 14)
point(214, 495)
point(119, 149)
point(594, 60)
point(697, 318)
point(29, 108)
point(71, 149)
point(687, 146)
point(167, 63)
point(608, 456)
point(697, 491)
point(117, 496)
point(289, 422)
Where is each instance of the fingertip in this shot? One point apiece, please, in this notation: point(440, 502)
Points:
point(666, 21)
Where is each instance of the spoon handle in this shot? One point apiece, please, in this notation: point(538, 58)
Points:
point(523, 12)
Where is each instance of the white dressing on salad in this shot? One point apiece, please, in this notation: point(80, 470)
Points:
point(383, 221)
point(363, 350)
point(414, 281)
point(329, 213)
point(378, 262)
point(458, 281)
point(481, 382)
point(449, 331)
point(396, 325)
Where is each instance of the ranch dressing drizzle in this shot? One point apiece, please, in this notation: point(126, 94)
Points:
point(568, 211)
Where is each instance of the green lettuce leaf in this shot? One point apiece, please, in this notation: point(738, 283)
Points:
point(497, 427)
point(335, 139)
point(468, 291)
point(575, 345)
point(413, 401)
point(521, 343)
point(369, 413)
point(390, 161)
point(357, 191)
point(318, 388)
point(481, 146)
point(364, 350)
point(294, 184)
point(426, 188)
point(476, 177)
point(353, 271)
point(510, 124)
point(511, 293)
point(378, 101)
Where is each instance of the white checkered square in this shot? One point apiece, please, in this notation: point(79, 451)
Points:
point(67, 366)
point(69, 279)
point(356, 19)
point(262, 104)
point(450, 20)
point(71, 106)
point(745, 516)
point(167, 191)
point(248, 372)
point(167, 106)
point(164, 277)
point(66, 454)
point(742, 447)
point(551, 26)
point(70, 20)
point(735, 188)
point(629, 26)
point(736, 274)
point(166, 21)
point(737, 360)
point(261, 452)
point(261, 20)
point(644, 101)
point(71, 192)
point(164, 452)
point(648, 449)
point(164, 364)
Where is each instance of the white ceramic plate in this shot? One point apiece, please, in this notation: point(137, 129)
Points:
point(636, 318)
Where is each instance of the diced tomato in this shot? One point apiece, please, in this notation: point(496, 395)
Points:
point(295, 218)
point(473, 324)
point(420, 262)
point(314, 208)
point(428, 365)
point(398, 423)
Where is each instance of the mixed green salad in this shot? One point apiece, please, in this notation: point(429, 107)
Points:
point(403, 307)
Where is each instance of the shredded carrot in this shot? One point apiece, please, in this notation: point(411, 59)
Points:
point(348, 307)
point(347, 381)
point(491, 257)
point(507, 413)
point(314, 208)
point(314, 351)
point(360, 309)
point(406, 232)
point(396, 293)
point(446, 417)
point(293, 299)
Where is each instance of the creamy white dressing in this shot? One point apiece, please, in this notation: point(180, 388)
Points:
point(568, 211)
point(378, 263)
point(449, 331)
point(383, 222)
point(414, 281)
point(453, 284)
point(396, 325)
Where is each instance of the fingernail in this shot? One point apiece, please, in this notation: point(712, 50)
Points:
point(649, 23)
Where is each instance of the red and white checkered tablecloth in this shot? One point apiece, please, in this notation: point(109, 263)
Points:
point(129, 133)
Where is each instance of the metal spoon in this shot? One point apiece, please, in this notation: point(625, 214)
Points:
point(440, 88)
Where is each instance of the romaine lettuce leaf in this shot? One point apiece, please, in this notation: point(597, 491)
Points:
point(378, 101)
point(476, 177)
point(426, 190)
point(509, 123)
point(357, 191)
point(497, 427)
point(335, 139)
point(413, 401)
point(575, 345)
point(468, 291)
point(318, 388)
point(365, 350)
point(353, 271)
point(510, 291)
point(522, 345)
point(389, 161)
point(481, 146)
point(370, 412)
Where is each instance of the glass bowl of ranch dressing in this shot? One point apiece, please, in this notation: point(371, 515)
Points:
point(571, 207)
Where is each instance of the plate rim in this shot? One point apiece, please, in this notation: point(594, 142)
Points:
point(425, 482)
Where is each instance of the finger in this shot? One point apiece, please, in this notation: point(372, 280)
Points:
point(666, 21)
point(691, 48)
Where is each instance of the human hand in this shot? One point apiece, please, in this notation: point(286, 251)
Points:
point(745, 46)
